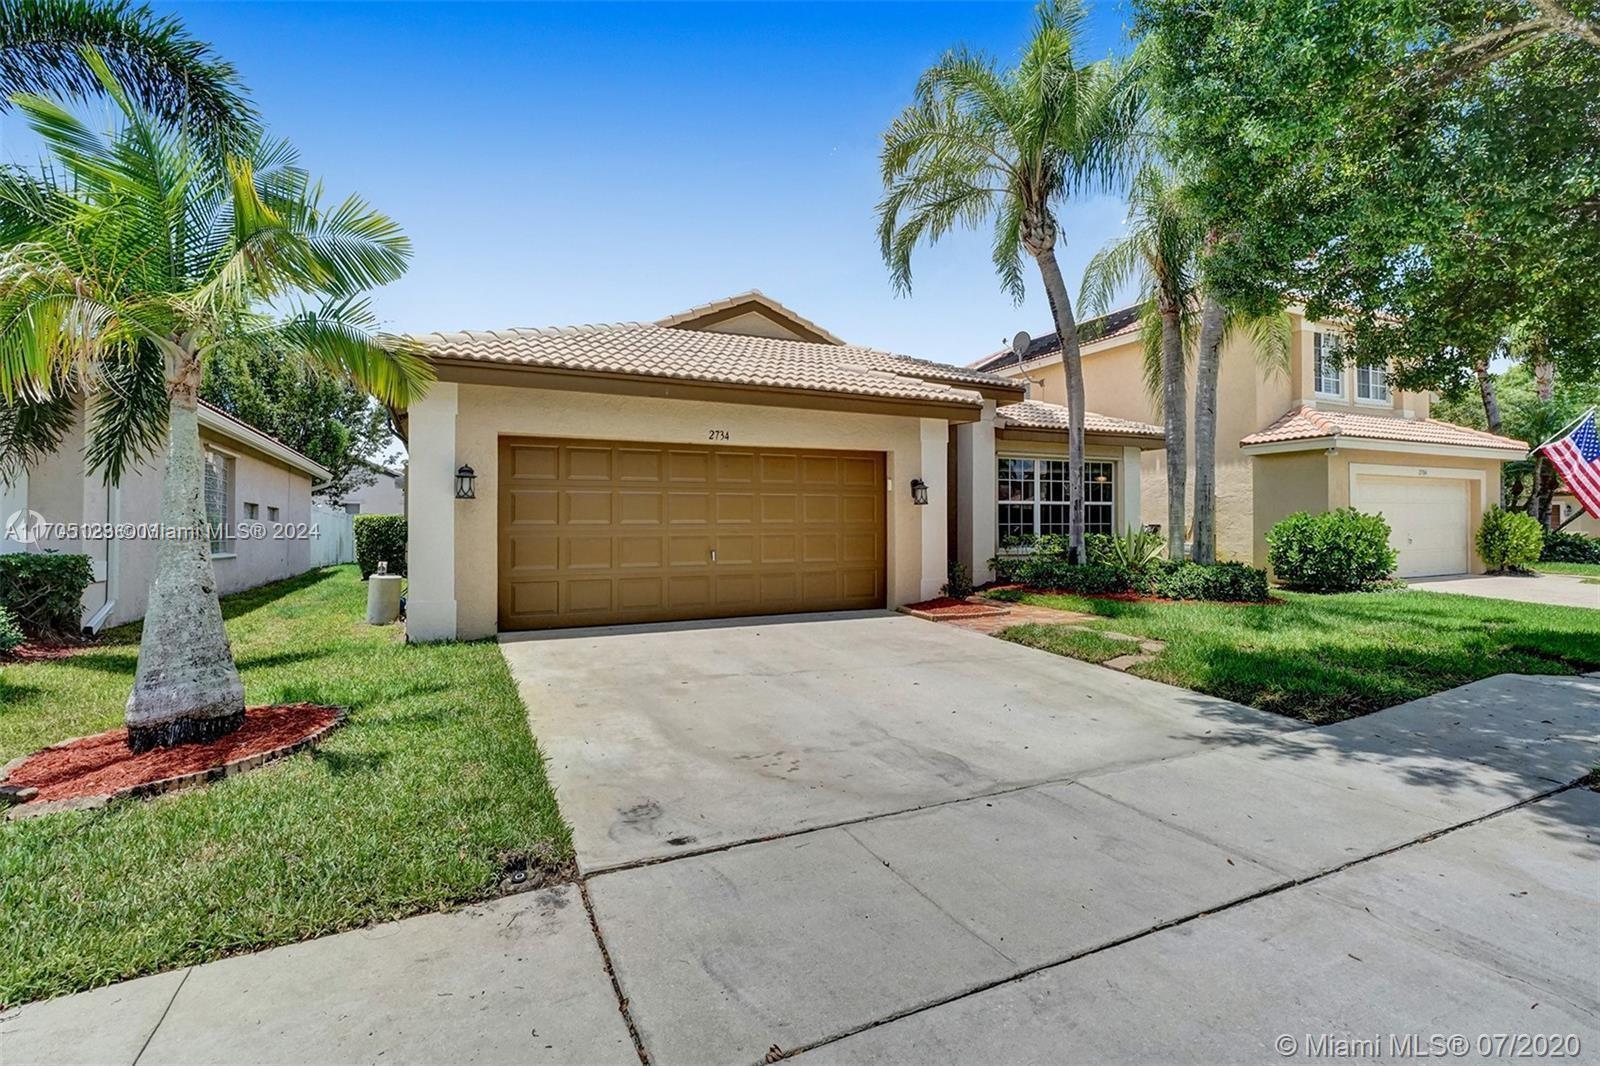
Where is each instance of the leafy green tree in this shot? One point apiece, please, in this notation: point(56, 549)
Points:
point(125, 265)
point(321, 415)
point(1425, 171)
point(1161, 250)
point(172, 75)
point(980, 143)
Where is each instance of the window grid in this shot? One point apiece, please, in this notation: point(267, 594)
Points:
point(1034, 498)
point(218, 489)
point(1328, 370)
point(1372, 383)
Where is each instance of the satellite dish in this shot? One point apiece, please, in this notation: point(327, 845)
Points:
point(1020, 342)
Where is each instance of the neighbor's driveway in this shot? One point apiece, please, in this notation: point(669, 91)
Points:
point(664, 740)
point(1560, 590)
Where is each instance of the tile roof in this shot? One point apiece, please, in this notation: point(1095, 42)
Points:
point(1036, 414)
point(649, 350)
point(749, 296)
point(1308, 423)
point(1118, 323)
point(243, 431)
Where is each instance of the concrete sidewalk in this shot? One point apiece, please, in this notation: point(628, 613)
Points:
point(1561, 590)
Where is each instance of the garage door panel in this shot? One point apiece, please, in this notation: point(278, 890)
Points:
point(1428, 519)
point(606, 532)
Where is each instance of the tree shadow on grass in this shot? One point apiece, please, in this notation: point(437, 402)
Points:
point(279, 658)
point(242, 603)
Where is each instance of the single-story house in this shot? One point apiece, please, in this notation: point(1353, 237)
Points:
point(258, 500)
point(733, 459)
point(385, 494)
point(1308, 434)
point(1567, 511)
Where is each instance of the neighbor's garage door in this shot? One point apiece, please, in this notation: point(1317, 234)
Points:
point(596, 532)
point(1427, 520)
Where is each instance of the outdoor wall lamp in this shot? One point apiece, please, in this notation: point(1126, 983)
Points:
point(919, 492)
point(464, 479)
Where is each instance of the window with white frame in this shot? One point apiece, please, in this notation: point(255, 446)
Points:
point(1034, 499)
point(218, 493)
point(1327, 369)
point(1372, 383)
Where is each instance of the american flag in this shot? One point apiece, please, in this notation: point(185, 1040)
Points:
point(1577, 456)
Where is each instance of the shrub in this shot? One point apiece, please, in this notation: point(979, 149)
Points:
point(10, 631)
point(1570, 548)
point(1337, 551)
point(43, 591)
point(1138, 552)
point(959, 586)
point(1509, 540)
point(1232, 582)
point(380, 538)
point(1088, 578)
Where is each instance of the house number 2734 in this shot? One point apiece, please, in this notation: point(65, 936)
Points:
point(718, 434)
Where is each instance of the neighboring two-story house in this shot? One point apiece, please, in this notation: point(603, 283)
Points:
point(1311, 435)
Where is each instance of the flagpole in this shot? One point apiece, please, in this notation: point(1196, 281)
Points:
point(1565, 429)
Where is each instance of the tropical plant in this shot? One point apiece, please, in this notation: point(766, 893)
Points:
point(1161, 248)
point(1509, 540)
point(1570, 548)
point(168, 72)
point(124, 267)
point(1335, 551)
point(978, 142)
point(1136, 551)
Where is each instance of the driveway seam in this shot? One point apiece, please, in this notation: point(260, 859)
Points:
point(933, 902)
point(151, 1035)
point(611, 975)
point(1271, 890)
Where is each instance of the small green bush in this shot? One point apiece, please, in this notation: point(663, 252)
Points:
point(1088, 578)
point(10, 632)
point(1229, 582)
point(1570, 548)
point(959, 586)
point(380, 538)
point(1138, 552)
point(1509, 540)
point(1336, 551)
point(43, 591)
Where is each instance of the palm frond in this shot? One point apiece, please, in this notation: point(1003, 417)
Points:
point(128, 415)
point(1271, 337)
point(341, 338)
point(32, 428)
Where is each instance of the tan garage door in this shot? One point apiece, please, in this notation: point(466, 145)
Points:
point(1427, 520)
point(605, 532)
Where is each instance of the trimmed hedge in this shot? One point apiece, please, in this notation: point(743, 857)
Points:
point(10, 632)
point(1570, 548)
point(1336, 551)
point(1509, 540)
point(1230, 582)
point(43, 591)
point(380, 538)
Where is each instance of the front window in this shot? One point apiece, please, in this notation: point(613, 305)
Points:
point(1372, 383)
point(218, 490)
point(1329, 370)
point(1033, 499)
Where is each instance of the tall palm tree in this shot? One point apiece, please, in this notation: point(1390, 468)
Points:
point(124, 267)
point(168, 72)
point(979, 142)
point(1160, 248)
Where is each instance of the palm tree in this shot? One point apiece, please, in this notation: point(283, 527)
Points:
point(124, 267)
point(168, 72)
point(978, 142)
point(1160, 248)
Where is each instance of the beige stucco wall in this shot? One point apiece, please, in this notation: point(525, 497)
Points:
point(383, 496)
point(457, 424)
point(1586, 524)
point(1316, 481)
point(59, 489)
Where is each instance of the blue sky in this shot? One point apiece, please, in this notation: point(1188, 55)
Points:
point(560, 164)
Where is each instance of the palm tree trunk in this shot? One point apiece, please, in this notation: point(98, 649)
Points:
point(1055, 288)
point(1174, 400)
point(1491, 403)
point(186, 688)
point(1208, 362)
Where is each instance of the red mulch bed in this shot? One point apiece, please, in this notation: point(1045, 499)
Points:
point(102, 765)
point(949, 607)
point(1137, 597)
point(40, 653)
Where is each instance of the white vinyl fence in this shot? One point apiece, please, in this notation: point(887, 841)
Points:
point(334, 540)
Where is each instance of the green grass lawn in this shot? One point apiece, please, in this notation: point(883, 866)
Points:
point(430, 789)
point(1326, 658)
point(1581, 569)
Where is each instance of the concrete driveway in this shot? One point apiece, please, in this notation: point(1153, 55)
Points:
point(1561, 590)
point(672, 739)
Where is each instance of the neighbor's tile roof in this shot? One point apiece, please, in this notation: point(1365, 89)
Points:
point(1116, 324)
point(654, 351)
point(1308, 423)
point(1036, 414)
